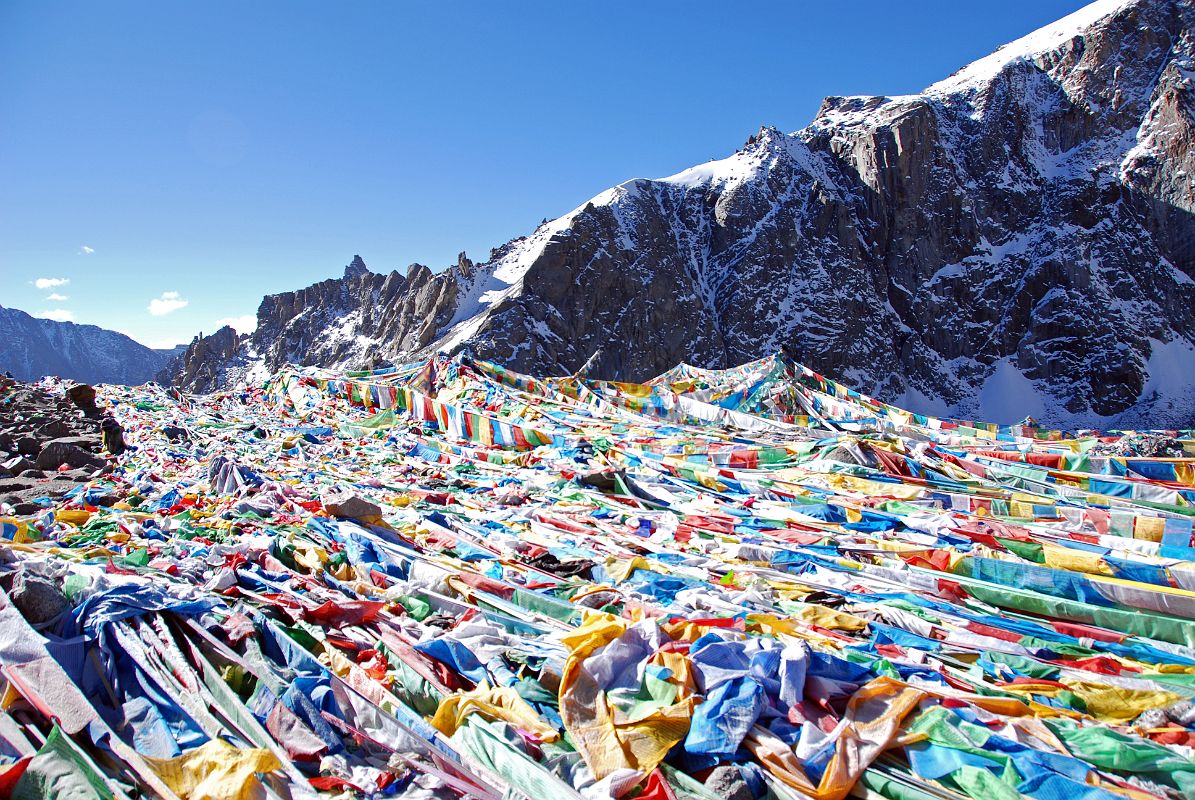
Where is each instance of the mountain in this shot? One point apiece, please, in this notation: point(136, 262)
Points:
point(1016, 239)
point(359, 319)
point(32, 348)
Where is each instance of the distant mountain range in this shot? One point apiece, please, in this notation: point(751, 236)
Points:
point(32, 348)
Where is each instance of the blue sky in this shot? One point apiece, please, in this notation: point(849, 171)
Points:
point(176, 161)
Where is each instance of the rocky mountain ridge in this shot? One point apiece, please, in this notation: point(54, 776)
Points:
point(32, 348)
point(1016, 239)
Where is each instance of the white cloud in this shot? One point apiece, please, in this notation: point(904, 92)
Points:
point(168, 303)
point(57, 298)
point(84, 250)
point(50, 283)
point(246, 323)
point(58, 315)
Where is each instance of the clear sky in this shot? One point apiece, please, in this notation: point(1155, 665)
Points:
point(176, 161)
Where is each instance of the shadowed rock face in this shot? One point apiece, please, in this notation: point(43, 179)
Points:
point(1016, 239)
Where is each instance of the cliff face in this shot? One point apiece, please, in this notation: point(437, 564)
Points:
point(1016, 239)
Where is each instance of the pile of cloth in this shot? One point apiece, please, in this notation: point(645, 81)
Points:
point(446, 579)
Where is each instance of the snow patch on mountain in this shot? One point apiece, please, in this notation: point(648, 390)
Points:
point(978, 74)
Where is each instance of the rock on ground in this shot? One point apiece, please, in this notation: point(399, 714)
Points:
point(42, 433)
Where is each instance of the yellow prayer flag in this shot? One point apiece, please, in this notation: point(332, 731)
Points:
point(215, 771)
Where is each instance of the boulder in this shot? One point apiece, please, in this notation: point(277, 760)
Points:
point(13, 485)
point(83, 396)
point(16, 465)
point(347, 504)
point(28, 446)
point(54, 429)
point(727, 780)
point(601, 479)
point(67, 451)
point(106, 500)
point(37, 598)
point(176, 434)
point(85, 442)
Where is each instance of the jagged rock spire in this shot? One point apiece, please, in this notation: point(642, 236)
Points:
point(356, 269)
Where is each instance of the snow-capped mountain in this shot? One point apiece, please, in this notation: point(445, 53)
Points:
point(32, 348)
point(1016, 239)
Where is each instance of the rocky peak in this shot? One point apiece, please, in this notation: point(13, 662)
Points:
point(767, 136)
point(417, 272)
point(463, 265)
point(356, 268)
point(200, 366)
